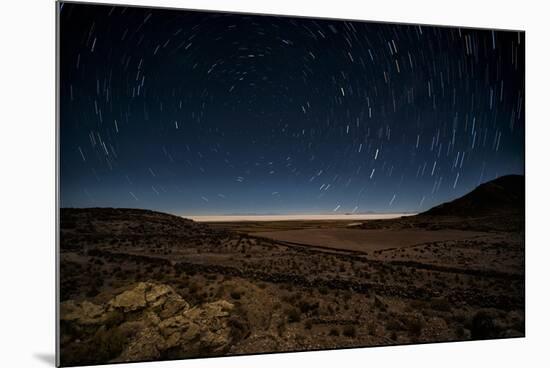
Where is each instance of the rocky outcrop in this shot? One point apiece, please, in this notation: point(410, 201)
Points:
point(145, 322)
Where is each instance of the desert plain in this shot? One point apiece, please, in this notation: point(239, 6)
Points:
point(139, 285)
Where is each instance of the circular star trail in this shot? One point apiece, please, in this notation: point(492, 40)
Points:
point(210, 113)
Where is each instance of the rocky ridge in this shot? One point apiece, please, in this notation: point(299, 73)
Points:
point(147, 321)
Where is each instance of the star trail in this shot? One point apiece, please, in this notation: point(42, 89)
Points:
point(193, 112)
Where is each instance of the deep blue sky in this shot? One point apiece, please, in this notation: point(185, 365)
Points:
point(209, 113)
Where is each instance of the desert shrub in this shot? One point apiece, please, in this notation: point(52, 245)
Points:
point(201, 297)
point(483, 326)
point(281, 327)
point(459, 317)
point(290, 298)
point(394, 325)
point(235, 294)
point(93, 252)
point(193, 288)
point(347, 295)
point(349, 331)
point(107, 343)
point(92, 291)
point(441, 304)
point(306, 307)
point(67, 224)
point(293, 315)
point(239, 328)
point(414, 325)
point(371, 327)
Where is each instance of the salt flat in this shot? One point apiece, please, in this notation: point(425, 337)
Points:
point(299, 217)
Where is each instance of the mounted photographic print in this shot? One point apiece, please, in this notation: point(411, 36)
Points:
point(235, 184)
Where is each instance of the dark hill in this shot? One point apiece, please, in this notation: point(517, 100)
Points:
point(498, 205)
point(126, 221)
point(105, 227)
point(502, 195)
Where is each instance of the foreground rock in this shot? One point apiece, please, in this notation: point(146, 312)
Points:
point(145, 322)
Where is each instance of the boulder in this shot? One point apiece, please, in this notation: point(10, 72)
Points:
point(82, 313)
point(154, 322)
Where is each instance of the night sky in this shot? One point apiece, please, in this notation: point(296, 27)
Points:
point(198, 113)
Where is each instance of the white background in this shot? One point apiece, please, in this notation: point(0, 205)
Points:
point(27, 181)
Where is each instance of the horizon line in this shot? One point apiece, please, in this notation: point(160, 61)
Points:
point(296, 217)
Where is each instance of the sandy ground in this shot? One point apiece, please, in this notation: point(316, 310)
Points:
point(366, 240)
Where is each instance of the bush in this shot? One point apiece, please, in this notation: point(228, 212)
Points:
point(104, 345)
point(93, 291)
point(281, 327)
point(441, 304)
point(239, 329)
point(306, 307)
point(193, 288)
point(293, 315)
point(483, 326)
point(394, 325)
point(291, 298)
point(414, 325)
point(349, 331)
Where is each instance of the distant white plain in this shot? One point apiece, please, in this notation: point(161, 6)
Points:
point(304, 217)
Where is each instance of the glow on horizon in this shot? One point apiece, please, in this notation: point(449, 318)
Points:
point(298, 217)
